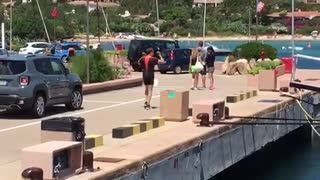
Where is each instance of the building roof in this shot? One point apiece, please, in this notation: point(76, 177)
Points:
point(208, 1)
point(103, 4)
point(298, 14)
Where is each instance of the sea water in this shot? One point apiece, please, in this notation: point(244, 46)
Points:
point(293, 157)
point(310, 48)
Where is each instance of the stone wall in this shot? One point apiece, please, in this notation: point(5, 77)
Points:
point(225, 150)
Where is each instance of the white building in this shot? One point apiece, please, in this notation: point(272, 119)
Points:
point(209, 2)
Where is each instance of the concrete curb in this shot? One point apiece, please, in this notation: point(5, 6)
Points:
point(243, 95)
point(137, 127)
point(111, 85)
point(93, 141)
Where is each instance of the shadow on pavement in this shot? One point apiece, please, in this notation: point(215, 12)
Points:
point(26, 115)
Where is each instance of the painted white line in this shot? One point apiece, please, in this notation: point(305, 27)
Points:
point(76, 114)
point(95, 101)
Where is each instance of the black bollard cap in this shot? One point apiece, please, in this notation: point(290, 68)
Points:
point(33, 173)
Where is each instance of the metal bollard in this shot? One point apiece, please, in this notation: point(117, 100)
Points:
point(32, 173)
point(204, 117)
point(87, 161)
point(226, 113)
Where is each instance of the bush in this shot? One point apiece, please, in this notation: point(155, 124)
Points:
point(100, 68)
point(253, 50)
point(111, 53)
point(306, 30)
point(265, 65)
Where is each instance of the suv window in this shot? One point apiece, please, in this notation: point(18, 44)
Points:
point(43, 66)
point(12, 67)
point(56, 67)
point(74, 46)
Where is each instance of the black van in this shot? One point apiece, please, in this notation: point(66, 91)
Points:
point(177, 60)
point(138, 46)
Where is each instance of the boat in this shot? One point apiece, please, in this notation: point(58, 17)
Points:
point(296, 48)
point(218, 51)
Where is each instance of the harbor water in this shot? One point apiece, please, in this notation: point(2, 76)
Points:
point(310, 48)
point(293, 157)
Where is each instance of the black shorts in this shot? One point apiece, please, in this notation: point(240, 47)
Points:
point(148, 79)
point(204, 70)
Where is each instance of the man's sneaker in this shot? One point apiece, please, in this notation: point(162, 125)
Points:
point(147, 107)
point(192, 88)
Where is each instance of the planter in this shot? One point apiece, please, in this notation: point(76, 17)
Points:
point(280, 70)
point(253, 81)
point(267, 80)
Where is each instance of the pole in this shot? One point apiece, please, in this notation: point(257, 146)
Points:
point(11, 25)
point(54, 28)
point(44, 24)
point(98, 20)
point(292, 41)
point(88, 56)
point(249, 24)
point(204, 20)
point(3, 36)
point(107, 26)
point(257, 20)
point(158, 18)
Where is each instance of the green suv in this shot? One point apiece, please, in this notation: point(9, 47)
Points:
point(34, 82)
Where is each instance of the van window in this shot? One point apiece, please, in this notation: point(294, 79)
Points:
point(171, 45)
point(74, 46)
point(12, 67)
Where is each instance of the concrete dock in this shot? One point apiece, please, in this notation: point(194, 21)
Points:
point(178, 150)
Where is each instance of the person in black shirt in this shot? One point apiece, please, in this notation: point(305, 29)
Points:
point(147, 65)
point(210, 59)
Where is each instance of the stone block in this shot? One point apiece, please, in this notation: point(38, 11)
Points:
point(135, 128)
point(243, 96)
point(97, 139)
point(267, 80)
point(174, 105)
point(48, 155)
point(156, 121)
point(144, 125)
point(233, 98)
point(122, 132)
point(89, 143)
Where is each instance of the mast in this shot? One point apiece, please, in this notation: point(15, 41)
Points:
point(204, 21)
point(44, 24)
point(11, 25)
point(158, 22)
point(292, 41)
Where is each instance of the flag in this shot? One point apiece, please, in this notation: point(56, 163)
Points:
point(260, 6)
point(54, 13)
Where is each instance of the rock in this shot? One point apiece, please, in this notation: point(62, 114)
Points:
point(242, 60)
point(237, 67)
point(252, 63)
point(224, 68)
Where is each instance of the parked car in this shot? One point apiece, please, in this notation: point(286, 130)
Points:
point(3, 52)
point(65, 50)
point(138, 46)
point(176, 60)
point(34, 82)
point(32, 47)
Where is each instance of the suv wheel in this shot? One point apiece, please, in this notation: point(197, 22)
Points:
point(163, 72)
point(177, 70)
point(39, 106)
point(76, 100)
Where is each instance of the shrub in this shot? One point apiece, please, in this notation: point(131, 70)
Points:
point(100, 69)
point(265, 65)
point(306, 30)
point(253, 50)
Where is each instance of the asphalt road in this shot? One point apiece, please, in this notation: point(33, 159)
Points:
point(105, 111)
